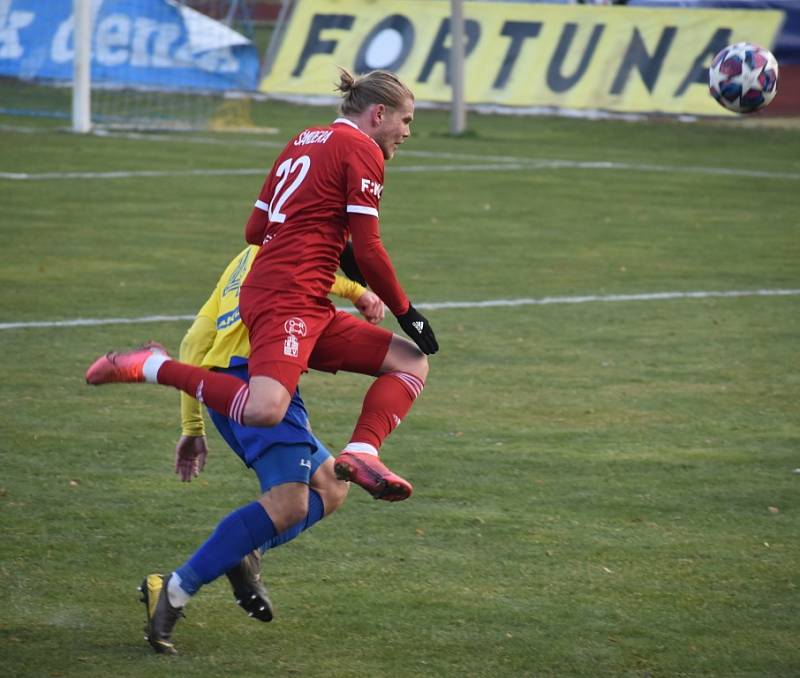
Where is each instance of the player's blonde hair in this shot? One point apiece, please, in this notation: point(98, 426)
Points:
point(375, 87)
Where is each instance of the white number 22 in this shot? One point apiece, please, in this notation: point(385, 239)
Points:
point(288, 167)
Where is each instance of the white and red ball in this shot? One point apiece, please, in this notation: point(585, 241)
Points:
point(743, 77)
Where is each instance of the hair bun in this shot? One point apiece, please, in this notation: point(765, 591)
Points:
point(347, 81)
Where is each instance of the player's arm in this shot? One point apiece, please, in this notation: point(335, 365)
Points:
point(346, 288)
point(191, 449)
point(347, 262)
point(364, 178)
point(374, 262)
point(257, 224)
point(367, 302)
point(195, 344)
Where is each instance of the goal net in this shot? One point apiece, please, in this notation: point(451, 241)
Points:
point(150, 63)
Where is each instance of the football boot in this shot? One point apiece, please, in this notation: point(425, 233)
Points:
point(248, 589)
point(161, 616)
point(122, 367)
point(368, 471)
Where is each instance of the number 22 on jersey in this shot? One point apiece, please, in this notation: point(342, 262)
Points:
point(297, 169)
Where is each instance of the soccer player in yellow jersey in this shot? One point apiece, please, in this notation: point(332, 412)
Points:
point(286, 456)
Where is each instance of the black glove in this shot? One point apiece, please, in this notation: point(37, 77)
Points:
point(416, 326)
point(347, 262)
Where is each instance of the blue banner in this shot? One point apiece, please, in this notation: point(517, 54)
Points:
point(143, 43)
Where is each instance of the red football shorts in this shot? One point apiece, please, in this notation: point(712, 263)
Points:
point(289, 334)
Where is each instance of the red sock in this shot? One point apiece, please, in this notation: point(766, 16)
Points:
point(388, 400)
point(223, 393)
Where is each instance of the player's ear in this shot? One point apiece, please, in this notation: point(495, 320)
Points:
point(378, 114)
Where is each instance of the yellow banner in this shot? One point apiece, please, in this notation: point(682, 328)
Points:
point(626, 59)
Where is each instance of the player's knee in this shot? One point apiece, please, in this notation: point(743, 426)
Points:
point(420, 369)
point(330, 489)
point(416, 364)
point(264, 413)
point(286, 504)
point(405, 356)
point(294, 510)
point(333, 495)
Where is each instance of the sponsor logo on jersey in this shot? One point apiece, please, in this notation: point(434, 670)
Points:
point(305, 463)
point(227, 319)
point(370, 186)
point(291, 346)
point(313, 137)
point(235, 281)
point(295, 326)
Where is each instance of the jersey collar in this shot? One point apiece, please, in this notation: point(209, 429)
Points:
point(346, 122)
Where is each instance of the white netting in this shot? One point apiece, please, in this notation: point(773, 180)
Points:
point(155, 63)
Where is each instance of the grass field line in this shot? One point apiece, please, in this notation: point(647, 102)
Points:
point(486, 163)
point(250, 143)
point(242, 171)
point(443, 305)
point(524, 165)
point(257, 143)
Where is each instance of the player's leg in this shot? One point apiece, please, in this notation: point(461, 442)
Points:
point(330, 489)
point(281, 342)
point(245, 576)
point(388, 400)
point(258, 448)
point(401, 368)
point(281, 506)
point(255, 447)
point(402, 376)
point(238, 534)
point(268, 401)
point(326, 494)
point(280, 345)
point(262, 403)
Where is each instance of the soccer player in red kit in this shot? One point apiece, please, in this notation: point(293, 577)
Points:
point(324, 188)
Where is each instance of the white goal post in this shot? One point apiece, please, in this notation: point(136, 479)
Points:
point(156, 64)
point(82, 67)
point(458, 115)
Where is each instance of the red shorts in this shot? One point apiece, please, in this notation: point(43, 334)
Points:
point(289, 334)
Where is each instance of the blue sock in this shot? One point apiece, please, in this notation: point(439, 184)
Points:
point(316, 511)
point(236, 535)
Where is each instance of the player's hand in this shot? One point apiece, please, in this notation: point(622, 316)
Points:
point(416, 326)
point(347, 262)
point(190, 457)
point(371, 307)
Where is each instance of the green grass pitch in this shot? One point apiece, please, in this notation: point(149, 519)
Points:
point(601, 488)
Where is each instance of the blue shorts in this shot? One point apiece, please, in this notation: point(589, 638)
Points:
point(285, 453)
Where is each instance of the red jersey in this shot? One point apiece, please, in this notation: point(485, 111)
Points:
point(324, 187)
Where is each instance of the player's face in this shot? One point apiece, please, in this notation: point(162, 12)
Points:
point(395, 128)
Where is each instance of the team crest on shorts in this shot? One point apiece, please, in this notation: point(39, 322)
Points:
point(290, 346)
point(295, 326)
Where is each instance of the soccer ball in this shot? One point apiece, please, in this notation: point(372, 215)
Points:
point(743, 77)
